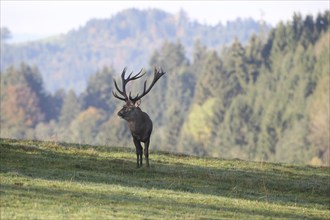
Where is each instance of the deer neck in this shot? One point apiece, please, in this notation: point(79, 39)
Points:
point(135, 116)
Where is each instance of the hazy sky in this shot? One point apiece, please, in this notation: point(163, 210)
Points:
point(54, 17)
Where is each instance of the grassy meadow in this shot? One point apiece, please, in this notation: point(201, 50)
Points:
point(50, 180)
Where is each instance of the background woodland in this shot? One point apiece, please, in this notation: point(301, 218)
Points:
point(260, 95)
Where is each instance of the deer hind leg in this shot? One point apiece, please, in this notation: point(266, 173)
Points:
point(138, 149)
point(146, 152)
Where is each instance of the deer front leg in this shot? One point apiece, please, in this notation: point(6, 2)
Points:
point(138, 149)
point(146, 151)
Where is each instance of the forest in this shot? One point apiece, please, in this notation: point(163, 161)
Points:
point(264, 100)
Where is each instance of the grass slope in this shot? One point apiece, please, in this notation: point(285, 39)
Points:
point(44, 180)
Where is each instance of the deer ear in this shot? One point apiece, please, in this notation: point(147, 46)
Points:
point(138, 103)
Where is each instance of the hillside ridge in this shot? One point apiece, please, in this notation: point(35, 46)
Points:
point(128, 38)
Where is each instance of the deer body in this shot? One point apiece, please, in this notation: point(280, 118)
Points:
point(141, 126)
point(138, 121)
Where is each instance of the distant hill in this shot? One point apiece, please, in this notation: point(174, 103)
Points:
point(127, 39)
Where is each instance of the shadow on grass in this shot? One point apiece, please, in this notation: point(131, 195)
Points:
point(116, 199)
point(43, 163)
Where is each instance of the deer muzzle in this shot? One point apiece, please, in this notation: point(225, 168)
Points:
point(120, 114)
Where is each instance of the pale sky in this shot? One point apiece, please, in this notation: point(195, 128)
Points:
point(47, 18)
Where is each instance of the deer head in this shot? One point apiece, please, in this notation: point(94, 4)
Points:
point(132, 103)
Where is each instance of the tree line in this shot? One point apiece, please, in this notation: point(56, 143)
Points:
point(266, 100)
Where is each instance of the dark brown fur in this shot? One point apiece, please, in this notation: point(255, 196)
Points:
point(138, 121)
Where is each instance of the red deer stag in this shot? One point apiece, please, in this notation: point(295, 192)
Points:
point(138, 121)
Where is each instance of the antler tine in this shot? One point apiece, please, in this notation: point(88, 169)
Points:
point(123, 73)
point(118, 97)
point(137, 76)
point(157, 75)
point(124, 83)
point(123, 91)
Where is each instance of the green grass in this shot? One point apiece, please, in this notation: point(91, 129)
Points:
point(45, 180)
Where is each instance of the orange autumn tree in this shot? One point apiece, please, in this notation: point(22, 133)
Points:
point(19, 110)
point(20, 103)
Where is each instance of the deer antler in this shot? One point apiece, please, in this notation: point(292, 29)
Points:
point(124, 82)
point(157, 75)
